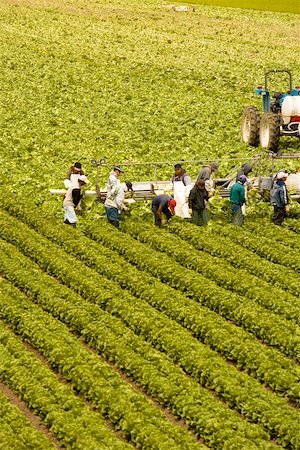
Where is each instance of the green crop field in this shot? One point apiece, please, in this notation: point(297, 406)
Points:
point(177, 338)
point(131, 82)
point(268, 5)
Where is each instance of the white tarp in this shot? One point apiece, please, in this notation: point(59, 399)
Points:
point(181, 194)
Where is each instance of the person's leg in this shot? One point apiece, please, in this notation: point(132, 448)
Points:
point(204, 216)
point(279, 215)
point(70, 216)
point(113, 216)
point(157, 220)
point(196, 217)
point(237, 215)
point(167, 213)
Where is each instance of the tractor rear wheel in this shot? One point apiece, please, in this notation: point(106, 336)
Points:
point(269, 133)
point(250, 126)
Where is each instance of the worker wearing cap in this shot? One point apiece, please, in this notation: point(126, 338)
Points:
point(114, 202)
point(181, 188)
point(72, 199)
point(206, 175)
point(279, 198)
point(197, 203)
point(237, 200)
point(113, 179)
point(163, 205)
point(72, 176)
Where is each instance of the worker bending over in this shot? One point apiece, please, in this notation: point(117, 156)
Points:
point(163, 205)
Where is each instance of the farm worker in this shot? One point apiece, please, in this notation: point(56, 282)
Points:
point(206, 175)
point(114, 202)
point(113, 179)
point(197, 203)
point(72, 176)
point(237, 200)
point(163, 204)
point(72, 199)
point(181, 188)
point(279, 198)
point(245, 169)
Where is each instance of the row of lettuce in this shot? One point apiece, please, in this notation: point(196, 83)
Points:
point(15, 430)
point(110, 337)
point(233, 386)
point(236, 280)
point(161, 378)
point(67, 416)
point(75, 423)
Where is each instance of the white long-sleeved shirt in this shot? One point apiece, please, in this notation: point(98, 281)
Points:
point(115, 193)
point(115, 198)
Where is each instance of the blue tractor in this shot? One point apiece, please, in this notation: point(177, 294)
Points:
point(280, 117)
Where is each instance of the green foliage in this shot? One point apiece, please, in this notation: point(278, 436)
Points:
point(68, 418)
point(131, 82)
point(238, 256)
point(287, 6)
point(127, 410)
point(151, 369)
point(16, 432)
point(214, 374)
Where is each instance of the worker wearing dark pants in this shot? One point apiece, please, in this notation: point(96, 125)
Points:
point(279, 198)
point(279, 215)
point(163, 205)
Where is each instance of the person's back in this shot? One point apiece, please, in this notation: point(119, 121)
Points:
point(237, 194)
point(198, 196)
point(245, 169)
point(279, 198)
point(160, 200)
point(115, 198)
point(279, 194)
point(204, 173)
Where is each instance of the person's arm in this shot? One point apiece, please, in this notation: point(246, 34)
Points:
point(187, 180)
point(159, 211)
point(242, 195)
point(67, 183)
point(283, 195)
point(205, 195)
point(119, 199)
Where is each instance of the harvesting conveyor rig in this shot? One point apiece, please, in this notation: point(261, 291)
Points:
point(280, 117)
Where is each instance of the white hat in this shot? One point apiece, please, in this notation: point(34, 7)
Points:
point(281, 175)
point(83, 178)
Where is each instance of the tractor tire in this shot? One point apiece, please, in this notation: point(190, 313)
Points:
point(269, 132)
point(250, 126)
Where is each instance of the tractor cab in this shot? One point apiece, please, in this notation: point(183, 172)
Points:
point(281, 115)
